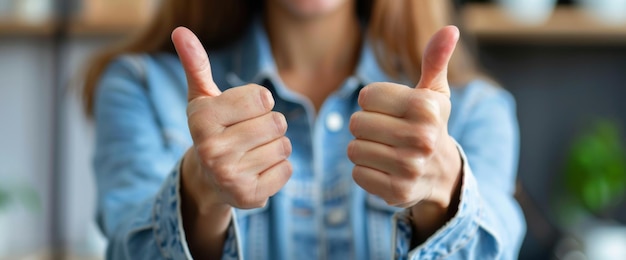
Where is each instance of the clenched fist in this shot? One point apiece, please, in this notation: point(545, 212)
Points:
point(240, 149)
point(402, 150)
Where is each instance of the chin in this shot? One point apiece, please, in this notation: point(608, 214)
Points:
point(311, 8)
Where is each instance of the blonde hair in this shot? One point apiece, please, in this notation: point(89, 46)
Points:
point(398, 29)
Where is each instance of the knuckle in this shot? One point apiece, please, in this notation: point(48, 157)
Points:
point(415, 102)
point(197, 118)
point(196, 130)
point(431, 106)
point(214, 147)
point(202, 124)
point(207, 153)
point(222, 172)
point(407, 165)
point(410, 164)
point(421, 137)
point(424, 108)
point(429, 143)
point(204, 68)
point(412, 137)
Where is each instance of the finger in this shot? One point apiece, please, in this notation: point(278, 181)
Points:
point(400, 101)
point(196, 63)
point(436, 58)
point(384, 129)
point(265, 156)
point(236, 105)
point(396, 193)
point(385, 98)
point(250, 134)
point(384, 158)
point(273, 179)
point(373, 181)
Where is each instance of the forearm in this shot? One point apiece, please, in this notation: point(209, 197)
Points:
point(205, 218)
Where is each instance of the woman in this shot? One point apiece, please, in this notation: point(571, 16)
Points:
point(292, 142)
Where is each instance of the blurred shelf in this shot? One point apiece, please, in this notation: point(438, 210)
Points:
point(15, 27)
point(80, 27)
point(567, 25)
point(487, 22)
point(76, 27)
point(47, 255)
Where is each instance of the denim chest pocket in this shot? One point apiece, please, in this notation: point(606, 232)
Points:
point(379, 227)
point(254, 226)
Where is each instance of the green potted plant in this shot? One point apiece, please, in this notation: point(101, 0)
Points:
point(13, 196)
point(595, 172)
point(594, 179)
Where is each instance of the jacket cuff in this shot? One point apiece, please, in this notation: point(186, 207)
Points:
point(450, 238)
point(232, 244)
point(168, 222)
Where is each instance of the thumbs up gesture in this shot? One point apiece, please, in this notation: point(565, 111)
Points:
point(240, 145)
point(402, 151)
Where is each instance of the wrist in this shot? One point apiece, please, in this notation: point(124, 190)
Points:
point(452, 175)
point(198, 194)
point(205, 218)
point(431, 214)
point(448, 180)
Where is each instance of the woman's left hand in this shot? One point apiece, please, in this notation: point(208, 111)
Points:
point(402, 151)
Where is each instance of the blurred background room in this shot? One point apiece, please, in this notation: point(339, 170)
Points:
point(564, 61)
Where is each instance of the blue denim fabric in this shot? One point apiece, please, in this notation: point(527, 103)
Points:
point(320, 213)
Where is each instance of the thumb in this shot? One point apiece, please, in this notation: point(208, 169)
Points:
point(436, 58)
point(196, 64)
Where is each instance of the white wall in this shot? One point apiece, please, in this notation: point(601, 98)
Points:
point(26, 97)
point(83, 237)
point(25, 134)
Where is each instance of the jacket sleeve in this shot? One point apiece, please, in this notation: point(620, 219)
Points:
point(489, 223)
point(137, 175)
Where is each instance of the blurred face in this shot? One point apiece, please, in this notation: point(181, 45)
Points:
point(309, 8)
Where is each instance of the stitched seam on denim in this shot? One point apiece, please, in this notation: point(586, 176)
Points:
point(127, 237)
point(156, 220)
point(237, 233)
point(466, 237)
point(443, 232)
point(179, 216)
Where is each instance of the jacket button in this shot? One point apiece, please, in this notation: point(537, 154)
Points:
point(336, 217)
point(334, 121)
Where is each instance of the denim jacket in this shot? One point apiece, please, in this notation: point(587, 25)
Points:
point(320, 213)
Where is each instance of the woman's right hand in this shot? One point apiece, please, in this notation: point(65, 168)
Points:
point(239, 156)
